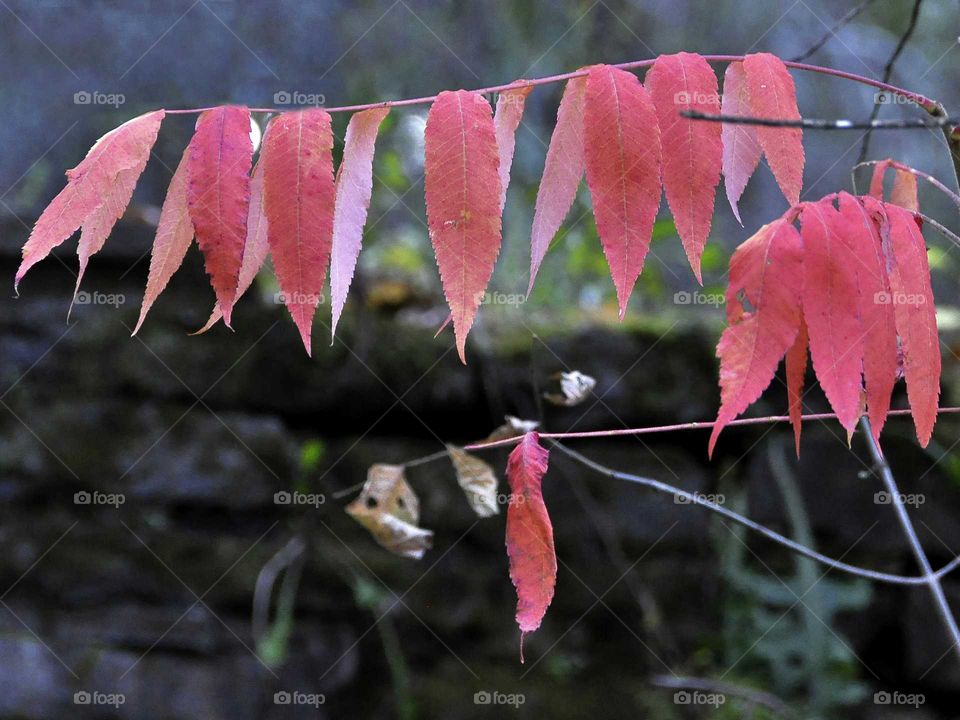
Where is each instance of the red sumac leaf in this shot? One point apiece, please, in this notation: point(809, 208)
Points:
point(462, 188)
point(763, 316)
point(796, 367)
point(255, 247)
point(623, 171)
point(354, 186)
point(878, 328)
point(298, 199)
point(218, 195)
point(506, 119)
point(106, 176)
point(741, 148)
point(173, 238)
point(562, 171)
point(831, 309)
point(692, 152)
point(916, 318)
point(876, 180)
point(772, 95)
point(533, 560)
point(904, 192)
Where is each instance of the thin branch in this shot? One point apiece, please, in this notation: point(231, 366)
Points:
point(916, 98)
point(831, 32)
point(700, 425)
point(913, 171)
point(933, 581)
point(697, 499)
point(816, 124)
point(410, 463)
point(888, 72)
point(263, 589)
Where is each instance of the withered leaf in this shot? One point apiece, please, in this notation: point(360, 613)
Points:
point(575, 387)
point(390, 510)
point(477, 479)
point(511, 428)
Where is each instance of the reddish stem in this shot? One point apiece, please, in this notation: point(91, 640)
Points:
point(701, 425)
point(924, 102)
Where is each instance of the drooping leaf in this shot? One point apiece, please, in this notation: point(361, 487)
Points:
point(575, 387)
point(89, 185)
point(831, 304)
point(354, 186)
point(773, 96)
point(692, 151)
point(255, 246)
point(916, 318)
point(763, 316)
point(462, 188)
point(876, 180)
point(622, 148)
point(390, 510)
point(506, 119)
point(796, 367)
point(533, 560)
point(477, 479)
point(904, 191)
point(173, 238)
point(218, 195)
point(298, 200)
point(562, 171)
point(741, 148)
point(878, 328)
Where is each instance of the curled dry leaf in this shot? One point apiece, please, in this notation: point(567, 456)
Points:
point(575, 387)
point(389, 509)
point(511, 428)
point(477, 479)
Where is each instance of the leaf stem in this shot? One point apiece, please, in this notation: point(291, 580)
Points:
point(896, 499)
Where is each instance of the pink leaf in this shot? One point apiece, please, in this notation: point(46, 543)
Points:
point(878, 328)
point(741, 148)
point(298, 199)
point(89, 186)
point(218, 195)
point(623, 171)
point(533, 560)
point(772, 95)
point(830, 306)
point(255, 247)
point(916, 318)
point(462, 190)
point(354, 187)
point(692, 151)
point(763, 316)
point(796, 366)
point(173, 238)
point(562, 171)
point(506, 119)
point(904, 192)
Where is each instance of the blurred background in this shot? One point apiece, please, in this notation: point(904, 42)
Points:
point(152, 601)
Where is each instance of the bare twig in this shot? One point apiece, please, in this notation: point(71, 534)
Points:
point(263, 590)
point(896, 499)
point(913, 171)
point(831, 32)
point(818, 124)
point(888, 72)
point(696, 499)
